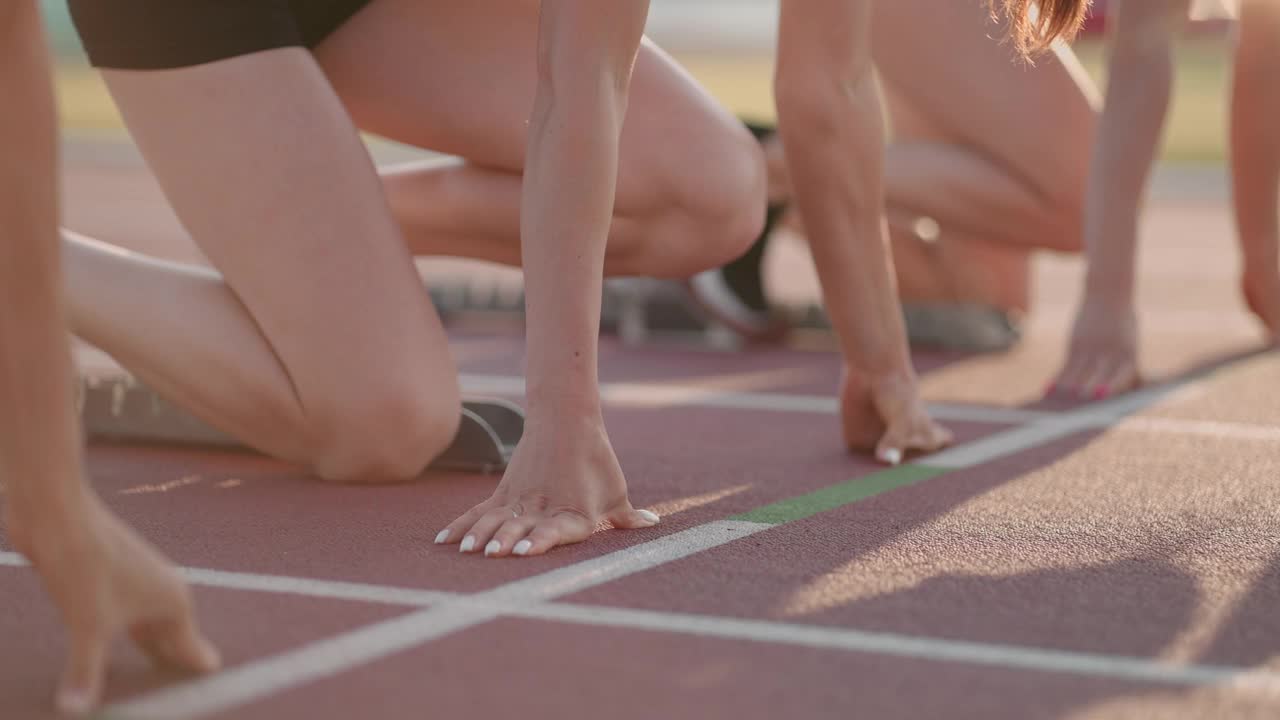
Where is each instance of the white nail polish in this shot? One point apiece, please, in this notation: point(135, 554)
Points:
point(443, 537)
point(893, 456)
point(468, 544)
point(649, 515)
point(492, 548)
point(522, 547)
point(74, 702)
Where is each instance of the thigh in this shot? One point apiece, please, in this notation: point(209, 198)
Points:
point(947, 71)
point(459, 77)
point(266, 171)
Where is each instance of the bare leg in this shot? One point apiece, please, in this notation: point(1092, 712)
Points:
point(317, 343)
point(995, 148)
point(938, 261)
point(1103, 356)
point(446, 76)
point(1255, 157)
point(104, 579)
point(991, 150)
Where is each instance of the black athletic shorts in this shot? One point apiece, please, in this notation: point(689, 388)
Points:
point(161, 34)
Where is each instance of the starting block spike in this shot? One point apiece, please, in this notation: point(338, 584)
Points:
point(119, 409)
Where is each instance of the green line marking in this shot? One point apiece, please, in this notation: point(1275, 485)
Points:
point(845, 493)
point(852, 491)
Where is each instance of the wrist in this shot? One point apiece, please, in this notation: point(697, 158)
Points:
point(1109, 287)
point(898, 376)
point(563, 400)
point(1260, 276)
point(41, 528)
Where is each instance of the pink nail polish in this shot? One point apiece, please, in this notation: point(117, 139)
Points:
point(1101, 392)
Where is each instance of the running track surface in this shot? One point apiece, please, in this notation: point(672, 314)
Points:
point(1113, 560)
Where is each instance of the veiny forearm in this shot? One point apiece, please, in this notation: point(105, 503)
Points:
point(586, 52)
point(1255, 135)
point(1140, 75)
point(829, 110)
point(39, 438)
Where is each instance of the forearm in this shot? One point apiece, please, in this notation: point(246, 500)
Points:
point(829, 111)
point(1255, 135)
point(586, 53)
point(1140, 75)
point(39, 440)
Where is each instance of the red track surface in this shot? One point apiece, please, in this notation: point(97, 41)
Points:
point(1157, 541)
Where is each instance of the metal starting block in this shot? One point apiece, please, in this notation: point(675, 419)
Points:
point(644, 310)
point(636, 310)
point(120, 409)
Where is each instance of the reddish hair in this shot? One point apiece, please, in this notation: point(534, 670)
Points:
point(1052, 19)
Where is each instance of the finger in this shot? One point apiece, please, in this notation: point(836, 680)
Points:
point(178, 643)
point(1059, 382)
point(479, 534)
point(458, 528)
point(893, 444)
point(626, 517)
point(1084, 388)
point(1102, 368)
point(930, 436)
point(1120, 377)
point(560, 529)
point(1074, 374)
point(512, 531)
point(81, 684)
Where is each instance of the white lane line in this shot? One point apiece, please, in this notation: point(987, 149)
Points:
point(252, 681)
point(988, 414)
point(492, 384)
point(607, 568)
point(1011, 657)
point(1205, 428)
point(524, 599)
point(1100, 415)
point(667, 394)
point(335, 655)
point(305, 587)
point(1009, 442)
point(326, 589)
point(658, 395)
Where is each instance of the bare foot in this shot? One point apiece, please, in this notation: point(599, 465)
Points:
point(888, 417)
point(563, 482)
point(1102, 359)
point(1262, 295)
point(106, 579)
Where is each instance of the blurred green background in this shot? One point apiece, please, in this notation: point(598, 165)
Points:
point(1196, 133)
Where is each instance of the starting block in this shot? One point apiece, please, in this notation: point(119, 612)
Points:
point(121, 409)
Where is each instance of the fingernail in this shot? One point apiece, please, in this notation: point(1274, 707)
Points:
point(1101, 392)
point(468, 544)
point(522, 547)
point(443, 537)
point(650, 516)
point(492, 548)
point(1051, 388)
point(210, 658)
point(74, 702)
point(893, 456)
